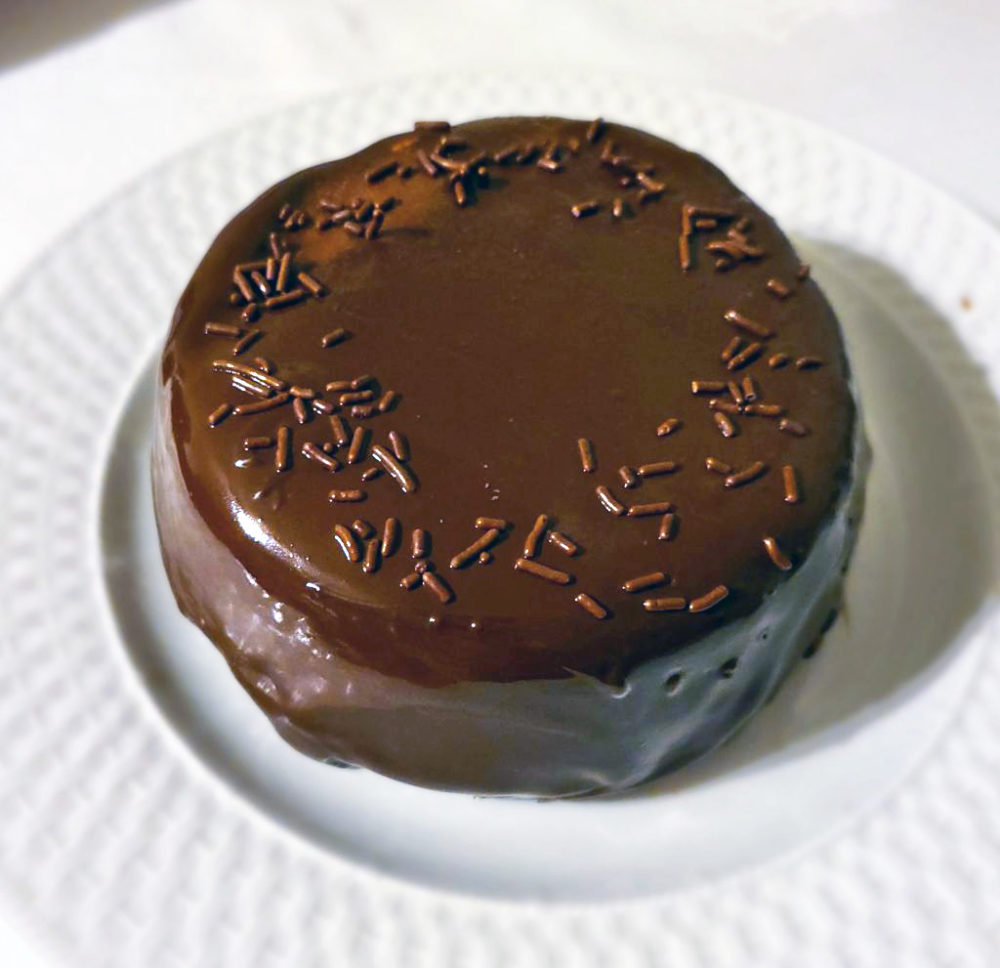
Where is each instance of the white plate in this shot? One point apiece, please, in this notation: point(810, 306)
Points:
point(854, 822)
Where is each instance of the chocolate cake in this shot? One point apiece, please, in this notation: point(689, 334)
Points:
point(517, 457)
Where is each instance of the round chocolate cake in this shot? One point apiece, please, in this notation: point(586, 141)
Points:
point(518, 457)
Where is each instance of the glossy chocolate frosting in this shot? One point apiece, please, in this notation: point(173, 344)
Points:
point(569, 284)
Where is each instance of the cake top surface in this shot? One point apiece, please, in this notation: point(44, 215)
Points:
point(510, 319)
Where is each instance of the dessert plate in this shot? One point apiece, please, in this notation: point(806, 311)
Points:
point(152, 817)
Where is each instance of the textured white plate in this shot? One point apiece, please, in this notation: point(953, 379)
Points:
point(853, 823)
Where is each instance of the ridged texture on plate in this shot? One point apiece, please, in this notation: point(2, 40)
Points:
point(122, 851)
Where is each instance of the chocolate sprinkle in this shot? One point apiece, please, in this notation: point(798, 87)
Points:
point(285, 299)
point(439, 586)
point(726, 426)
point(708, 386)
point(249, 374)
point(642, 582)
point(731, 349)
point(351, 495)
point(669, 426)
point(261, 283)
point(257, 443)
point(726, 407)
point(467, 555)
point(219, 414)
point(248, 386)
point(764, 409)
point(658, 467)
point(246, 341)
point(563, 543)
point(410, 581)
point(387, 401)
point(778, 289)
point(535, 536)
point(497, 523)
point(665, 604)
point(791, 483)
point(425, 162)
point(284, 267)
point(382, 171)
point(223, 329)
point(609, 502)
point(355, 396)
point(390, 537)
point(792, 427)
point(260, 406)
point(347, 542)
point(645, 510)
point(583, 209)
point(506, 154)
point(629, 477)
point(399, 445)
point(394, 468)
point(313, 285)
point(708, 600)
point(745, 357)
point(246, 291)
point(334, 337)
point(310, 450)
point(748, 325)
point(341, 435)
point(371, 474)
point(420, 543)
point(745, 476)
point(373, 558)
point(356, 451)
point(283, 454)
point(594, 130)
point(808, 363)
point(776, 555)
point(587, 460)
point(539, 570)
point(668, 528)
point(717, 466)
point(591, 606)
point(684, 252)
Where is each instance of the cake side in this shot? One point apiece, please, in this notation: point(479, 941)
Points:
point(547, 738)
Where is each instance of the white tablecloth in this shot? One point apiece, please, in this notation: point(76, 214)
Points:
point(94, 92)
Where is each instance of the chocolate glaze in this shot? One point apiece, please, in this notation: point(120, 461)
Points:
point(510, 330)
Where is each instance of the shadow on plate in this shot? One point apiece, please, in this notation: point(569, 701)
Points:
point(29, 28)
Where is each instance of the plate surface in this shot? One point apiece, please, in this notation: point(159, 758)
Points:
point(151, 816)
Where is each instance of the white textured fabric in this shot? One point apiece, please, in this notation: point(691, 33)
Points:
point(87, 103)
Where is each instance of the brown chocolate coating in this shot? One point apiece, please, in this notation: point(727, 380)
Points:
point(510, 329)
